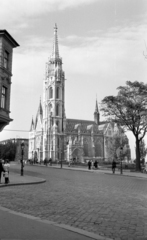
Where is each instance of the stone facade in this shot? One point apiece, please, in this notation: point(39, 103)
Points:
point(52, 135)
point(7, 43)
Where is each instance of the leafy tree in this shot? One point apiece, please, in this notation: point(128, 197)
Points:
point(143, 150)
point(114, 144)
point(8, 151)
point(129, 110)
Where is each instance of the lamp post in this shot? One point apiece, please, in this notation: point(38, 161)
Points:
point(121, 151)
point(22, 153)
point(61, 158)
point(61, 149)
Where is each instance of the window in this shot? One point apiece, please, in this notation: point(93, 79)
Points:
point(50, 92)
point(58, 143)
point(57, 92)
point(3, 97)
point(50, 109)
point(57, 123)
point(57, 110)
point(6, 59)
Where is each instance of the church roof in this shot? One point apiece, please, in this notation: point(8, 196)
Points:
point(72, 124)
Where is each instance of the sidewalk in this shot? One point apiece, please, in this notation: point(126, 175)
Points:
point(18, 226)
point(16, 179)
point(125, 173)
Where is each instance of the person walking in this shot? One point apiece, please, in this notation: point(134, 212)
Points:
point(50, 161)
point(89, 165)
point(6, 175)
point(113, 166)
point(1, 169)
point(96, 164)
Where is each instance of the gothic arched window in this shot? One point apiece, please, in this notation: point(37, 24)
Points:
point(57, 110)
point(58, 142)
point(49, 109)
point(57, 92)
point(57, 123)
point(50, 92)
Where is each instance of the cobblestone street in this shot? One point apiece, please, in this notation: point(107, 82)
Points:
point(109, 205)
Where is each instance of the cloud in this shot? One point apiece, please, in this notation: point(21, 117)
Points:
point(112, 54)
point(20, 11)
point(102, 54)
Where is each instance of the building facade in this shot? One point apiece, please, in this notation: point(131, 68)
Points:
point(7, 43)
point(52, 135)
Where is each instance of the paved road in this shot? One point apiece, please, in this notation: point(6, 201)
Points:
point(109, 205)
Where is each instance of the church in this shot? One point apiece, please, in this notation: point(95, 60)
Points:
point(53, 135)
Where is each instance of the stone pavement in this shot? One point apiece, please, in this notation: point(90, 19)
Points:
point(18, 226)
point(61, 204)
point(24, 226)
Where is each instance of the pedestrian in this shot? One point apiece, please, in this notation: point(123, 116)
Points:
point(96, 164)
point(1, 169)
point(6, 174)
point(45, 162)
point(89, 165)
point(73, 161)
point(50, 162)
point(113, 166)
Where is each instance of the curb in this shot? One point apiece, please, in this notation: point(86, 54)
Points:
point(73, 169)
point(123, 175)
point(23, 183)
point(63, 226)
point(66, 168)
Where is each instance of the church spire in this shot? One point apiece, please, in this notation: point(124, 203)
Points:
point(96, 114)
point(55, 52)
point(40, 111)
point(96, 107)
point(32, 125)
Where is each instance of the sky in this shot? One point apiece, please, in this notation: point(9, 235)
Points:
point(102, 44)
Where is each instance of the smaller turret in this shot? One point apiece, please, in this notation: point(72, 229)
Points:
point(96, 114)
point(32, 125)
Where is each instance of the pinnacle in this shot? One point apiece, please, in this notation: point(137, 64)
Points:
point(55, 52)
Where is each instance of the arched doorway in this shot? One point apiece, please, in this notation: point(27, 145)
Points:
point(77, 154)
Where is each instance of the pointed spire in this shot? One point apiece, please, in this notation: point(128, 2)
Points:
point(40, 111)
point(96, 107)
point(32, 125)
point(55, 52)
point(96, 114)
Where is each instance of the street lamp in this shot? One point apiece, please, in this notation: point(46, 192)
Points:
point(61, 158)
point(22, 153)
point(61, 149)
point(121, 151)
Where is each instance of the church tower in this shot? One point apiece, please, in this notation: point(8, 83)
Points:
point(96, 114)
point(54, 104)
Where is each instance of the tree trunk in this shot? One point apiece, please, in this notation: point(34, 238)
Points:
point(138, 166)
